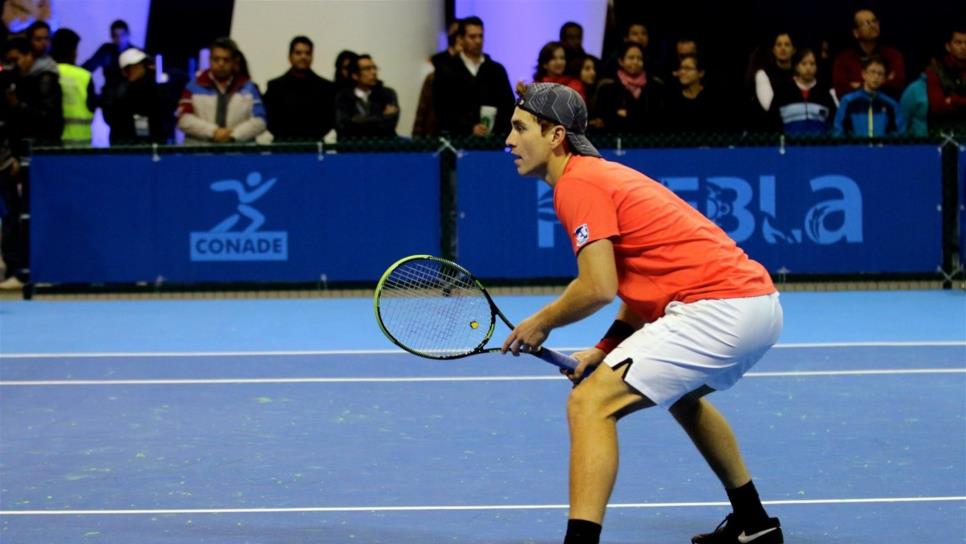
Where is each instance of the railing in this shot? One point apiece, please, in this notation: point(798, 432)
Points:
point(315, 214)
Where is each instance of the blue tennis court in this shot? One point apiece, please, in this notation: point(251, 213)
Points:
point(295, 421)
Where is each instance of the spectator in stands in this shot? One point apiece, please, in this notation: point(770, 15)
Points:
point(585, 69)
point(572, 39)
point(635, 32)
point(142, 107)
point(342, 61)
point(946, 84)
point(12, 204)
point(300, 104)
point(665, 68)
point(39, 35)
point(221, 105)
point(868, 112)
point(32, 111)
point(77, 89)
point(692, 108)
point(632, 104)
point(425, 123)
point(107, 55)
point(914, 105)
point(803, 104)
point(472, 88)
point(847, 69)
point(775, 70)
point(369, 109)
point(452, 46)
point(36, 101)
point(551, 68)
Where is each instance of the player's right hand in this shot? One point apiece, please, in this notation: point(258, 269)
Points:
point(587, 358)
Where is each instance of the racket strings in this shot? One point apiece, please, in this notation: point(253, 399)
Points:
point(434, 308)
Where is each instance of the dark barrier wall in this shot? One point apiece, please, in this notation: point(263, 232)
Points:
point(962, 204)
point(803, 210)
point(196, 218)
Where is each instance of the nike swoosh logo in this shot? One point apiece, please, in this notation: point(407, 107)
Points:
point(745, 539)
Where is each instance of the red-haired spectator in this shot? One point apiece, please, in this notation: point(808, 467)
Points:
point(551, 68)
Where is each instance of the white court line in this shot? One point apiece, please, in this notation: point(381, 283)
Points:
point(443, 508)
point(324, 352)
point(423, 379)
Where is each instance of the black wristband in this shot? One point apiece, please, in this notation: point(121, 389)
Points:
point(619, 330)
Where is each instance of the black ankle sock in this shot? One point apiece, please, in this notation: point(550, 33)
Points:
point(746, 504)
point(582, 532)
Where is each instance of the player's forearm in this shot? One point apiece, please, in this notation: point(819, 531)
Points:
point(580, 299)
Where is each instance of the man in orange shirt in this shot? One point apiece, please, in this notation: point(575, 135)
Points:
point(696, 313)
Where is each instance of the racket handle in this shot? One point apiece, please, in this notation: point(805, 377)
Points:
point(557, 359)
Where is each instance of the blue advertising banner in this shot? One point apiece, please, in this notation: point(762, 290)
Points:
point(802, 210)
point(197, 218)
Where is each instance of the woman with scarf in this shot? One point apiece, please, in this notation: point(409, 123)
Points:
point(634, 102)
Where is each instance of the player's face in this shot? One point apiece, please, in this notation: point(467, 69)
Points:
point(526, 142)
point(301, 57)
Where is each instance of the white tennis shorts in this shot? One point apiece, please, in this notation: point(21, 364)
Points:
point(708, 342)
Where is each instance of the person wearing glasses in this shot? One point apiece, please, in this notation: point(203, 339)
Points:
point(369, 109)
point(847, 68)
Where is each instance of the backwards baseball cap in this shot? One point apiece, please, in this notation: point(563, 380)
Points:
point(130, 57)
point(561, 105)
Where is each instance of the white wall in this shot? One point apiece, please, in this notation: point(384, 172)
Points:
point(399, 34)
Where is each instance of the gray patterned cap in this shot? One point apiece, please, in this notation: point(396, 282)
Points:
point(562, 105)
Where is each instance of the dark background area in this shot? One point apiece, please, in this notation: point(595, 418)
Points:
point(734, 29)
point(729, 32)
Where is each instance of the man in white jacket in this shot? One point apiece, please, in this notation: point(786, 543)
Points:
point(221, 105)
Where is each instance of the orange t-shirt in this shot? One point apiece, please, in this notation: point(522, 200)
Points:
point(665, 249)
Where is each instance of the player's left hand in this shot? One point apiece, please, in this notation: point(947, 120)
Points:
point(527, 337)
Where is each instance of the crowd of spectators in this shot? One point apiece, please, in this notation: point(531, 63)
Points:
point(859, 91)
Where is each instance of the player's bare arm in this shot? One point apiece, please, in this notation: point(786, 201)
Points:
point(594, 288)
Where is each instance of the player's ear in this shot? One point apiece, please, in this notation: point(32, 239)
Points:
point(559, 135)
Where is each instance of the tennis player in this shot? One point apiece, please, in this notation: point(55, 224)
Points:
point(696, 313)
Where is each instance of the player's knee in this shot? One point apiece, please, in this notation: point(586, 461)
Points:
point(584, 403)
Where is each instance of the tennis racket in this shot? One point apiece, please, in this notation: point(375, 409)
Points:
point(436, 309)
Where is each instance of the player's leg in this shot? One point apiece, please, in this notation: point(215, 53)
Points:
point(713, 437)
point(754, 324)
point(592, 412)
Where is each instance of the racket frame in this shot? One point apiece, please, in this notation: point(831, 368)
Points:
point(558, 359)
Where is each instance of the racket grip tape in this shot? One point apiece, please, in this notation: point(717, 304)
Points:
point(557, 359)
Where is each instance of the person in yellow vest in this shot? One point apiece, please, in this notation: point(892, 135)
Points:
point(78, 89)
